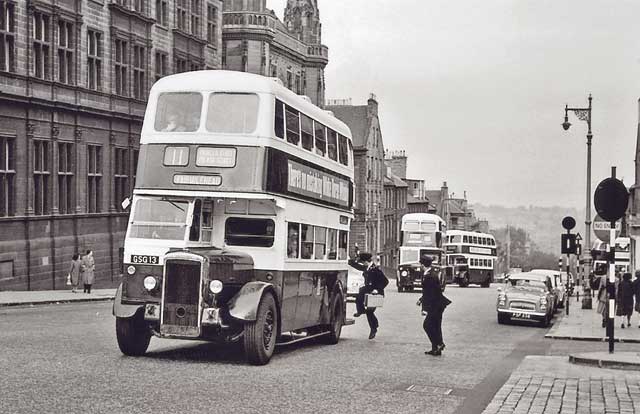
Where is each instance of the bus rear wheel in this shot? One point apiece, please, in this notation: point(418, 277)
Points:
point(336, 322)
point(464, 282)
point(260, 335)
point(132, 335)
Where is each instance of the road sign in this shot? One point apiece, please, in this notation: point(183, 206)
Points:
point(601, 228)
point(568, 243)
point(568, 223)
point(611, 199)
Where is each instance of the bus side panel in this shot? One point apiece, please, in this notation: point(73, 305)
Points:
point(290, 301)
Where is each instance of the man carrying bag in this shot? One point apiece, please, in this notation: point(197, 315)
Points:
point(433, 304)
point(374, 283)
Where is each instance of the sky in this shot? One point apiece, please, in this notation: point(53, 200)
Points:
point(474, 90)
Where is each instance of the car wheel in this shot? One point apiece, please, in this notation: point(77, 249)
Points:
point(260, 335)
point(133, 335)
point(503, 318)
point(337, 319)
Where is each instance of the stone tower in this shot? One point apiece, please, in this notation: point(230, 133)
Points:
point(302, 19)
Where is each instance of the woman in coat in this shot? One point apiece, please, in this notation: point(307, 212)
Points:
point(74, 271)
point(88, 267)
point(625, 299)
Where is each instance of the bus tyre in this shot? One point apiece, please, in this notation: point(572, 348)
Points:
point(132, 335)
point(336, 321)
point(486, 283)
point(260, 335)
point(503, 318)
point(464, 282)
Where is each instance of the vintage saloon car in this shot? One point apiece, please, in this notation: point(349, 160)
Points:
point(559, 285)
point(525, 296)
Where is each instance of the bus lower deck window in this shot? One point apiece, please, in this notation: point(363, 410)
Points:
point(253, 232)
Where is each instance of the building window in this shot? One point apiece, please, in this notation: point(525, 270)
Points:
point(161, 65)
point(41, 45)
point(212, 24)
point(94, 178)
point(139, 59)
point(41, 175)
point(196, 12)
point(121, 176)
point(181, 14)
point(7, 176)
point(66, 40)
point(138, 5)
point(161, 12)
point(121, 67)
point(181, 65)
point(65, 177)
point(7, 37)
point(94, 60)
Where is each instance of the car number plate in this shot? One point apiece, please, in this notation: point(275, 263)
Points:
point(521, 315)
point(142, 259)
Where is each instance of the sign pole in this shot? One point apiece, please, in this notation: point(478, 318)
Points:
point(611, 286)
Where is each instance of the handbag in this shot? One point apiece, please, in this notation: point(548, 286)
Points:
point(373, 301)
point(68, 279)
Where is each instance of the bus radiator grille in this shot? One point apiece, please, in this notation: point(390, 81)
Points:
point(181, 297)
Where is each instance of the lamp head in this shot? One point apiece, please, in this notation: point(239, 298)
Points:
point(566, 124)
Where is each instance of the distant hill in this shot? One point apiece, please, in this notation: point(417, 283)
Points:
point(542, 223)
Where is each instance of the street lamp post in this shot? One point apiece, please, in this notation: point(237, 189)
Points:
point(584, 114)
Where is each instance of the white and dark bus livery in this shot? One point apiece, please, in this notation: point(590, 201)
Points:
point(240, 216)
point(622, 255)
point(421, 234)
point(472, 256)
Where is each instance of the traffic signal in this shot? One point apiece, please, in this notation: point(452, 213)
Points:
point(568, 243)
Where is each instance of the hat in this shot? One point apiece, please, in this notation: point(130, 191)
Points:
point(365, 256)
point(426, 260)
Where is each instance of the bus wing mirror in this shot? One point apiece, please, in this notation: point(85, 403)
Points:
point(125, 203)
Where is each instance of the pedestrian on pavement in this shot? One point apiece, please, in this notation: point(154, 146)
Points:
point(636, 291)
point(625, 299)
point(374, 283)
point(88, 267)
point(74, 271)
point(433, 304)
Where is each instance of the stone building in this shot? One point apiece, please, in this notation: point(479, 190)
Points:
point(74, 78)
point(633, 210)
point(255, 40)
point(395, 206)
point(370, 171)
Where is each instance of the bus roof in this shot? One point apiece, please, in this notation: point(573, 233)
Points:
point(234, 81)
point(468, 233)
point(421, 217)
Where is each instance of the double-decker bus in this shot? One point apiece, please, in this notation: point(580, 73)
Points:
point(472, 256)
point(240, 216)
point(421, 234)
point(622, 260)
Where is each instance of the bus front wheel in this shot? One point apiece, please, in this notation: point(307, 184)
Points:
point(464, 282)
point(337, 319)
point(260, 335)
point(132, 335)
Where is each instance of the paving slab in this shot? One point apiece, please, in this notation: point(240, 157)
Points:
point(586, 325)
point(551, 384)
point(616, 360)
point(44, 297)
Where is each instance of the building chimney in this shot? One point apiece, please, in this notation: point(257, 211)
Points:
point(372, 105)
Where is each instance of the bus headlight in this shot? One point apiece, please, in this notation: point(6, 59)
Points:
point(131, 270)
point(215, 286)
point(404, 273)
point(150, 283)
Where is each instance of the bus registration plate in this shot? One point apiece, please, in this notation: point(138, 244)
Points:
point(142, 259)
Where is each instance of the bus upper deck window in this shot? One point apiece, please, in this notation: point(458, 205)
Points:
point(232, 113)
point(321, 138)
point(333, 145)
point(240, 231)
point(306, 130)
point(178, 112)
point(279, 119)
point(342, 150)
point(292, 118)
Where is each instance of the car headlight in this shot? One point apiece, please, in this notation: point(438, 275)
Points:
point(215, 286)
point(131, 269)
point(543, 300)
point(150, 283)
point(404, 273)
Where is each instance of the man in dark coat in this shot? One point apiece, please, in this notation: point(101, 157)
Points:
point(374, 283)
point(433, 303)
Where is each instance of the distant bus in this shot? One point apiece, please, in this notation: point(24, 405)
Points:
point(421, 234)
point(622, 255)
point(472, 256)
point(240, 217)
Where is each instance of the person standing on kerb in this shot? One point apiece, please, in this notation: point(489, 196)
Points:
point(433, 303)
point(374, 283)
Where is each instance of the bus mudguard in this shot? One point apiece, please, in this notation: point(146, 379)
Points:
point(121, 310)
point(244, 305)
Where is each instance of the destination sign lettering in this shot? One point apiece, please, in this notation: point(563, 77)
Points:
point(311, 182)
point(216, 157)
point(479, 250)
point(192, 179)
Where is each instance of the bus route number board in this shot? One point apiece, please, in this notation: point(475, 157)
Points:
point(142, 259)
